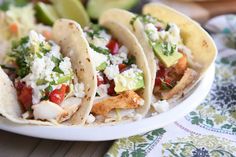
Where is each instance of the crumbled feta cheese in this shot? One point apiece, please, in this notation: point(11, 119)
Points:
point(152, 31)
point(132, 72)
point(55, 51)
point(35, 38)
point(111, 71)
point(65, 66)
point(102, 89)
point(121, 57)
point(98, 58)
point(174, 29)
point(90, 119)
point(101, 39)
point(161, 106)
point(79, 90)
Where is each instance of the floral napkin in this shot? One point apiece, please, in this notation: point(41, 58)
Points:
point(209, 130)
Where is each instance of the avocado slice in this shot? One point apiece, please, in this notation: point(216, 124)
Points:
point(167, 53)
point(45, 13)
point(96, 7)
point(101, 67)
point(72, 9)
point(124, 83)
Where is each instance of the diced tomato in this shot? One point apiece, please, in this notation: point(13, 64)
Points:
point(58, 95)
point(111, 89)
point(19, 85)
point(106, 80)
point(113, 46)
point(168, 81)
point(160, 75)
point(159, 28)
point(100, 80)
point(25, 96)
point(13, 28)
point(122, 67)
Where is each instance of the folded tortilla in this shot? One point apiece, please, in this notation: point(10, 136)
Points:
point(194, 37)
point(66, 34)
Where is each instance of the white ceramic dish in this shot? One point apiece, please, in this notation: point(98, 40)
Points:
point(108, 132)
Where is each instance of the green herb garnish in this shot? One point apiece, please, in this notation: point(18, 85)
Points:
point(131, 60)
point(99, 49)
point(168, 48)
point(21, 54)
point(95, 31)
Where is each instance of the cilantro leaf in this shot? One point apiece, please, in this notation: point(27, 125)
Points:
point(99, 49)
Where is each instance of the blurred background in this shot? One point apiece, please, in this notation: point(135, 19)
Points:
point(48, 11)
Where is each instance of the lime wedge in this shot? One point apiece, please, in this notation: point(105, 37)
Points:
point(72, 9)
point(45, 13)
point(96, 7)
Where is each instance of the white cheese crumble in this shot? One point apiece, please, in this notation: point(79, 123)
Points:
point(111, 71)
point(121, 57)
point(101, 39)
point(152, 31)
point(65, 66)
point(161, 106)
point(99, 58)
point(90, 119)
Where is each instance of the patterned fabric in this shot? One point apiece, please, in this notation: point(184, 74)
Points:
point(209, 130)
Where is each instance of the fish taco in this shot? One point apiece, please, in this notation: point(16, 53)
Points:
point(178, 50)
point(123, 78)
point(45, 82)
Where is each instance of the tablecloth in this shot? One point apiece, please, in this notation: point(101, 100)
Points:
point(209, 130)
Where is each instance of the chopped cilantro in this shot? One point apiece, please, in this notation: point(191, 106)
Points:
point(167, 27)
point(55, 60)
point(21, 53)
point(58, 70)
point(167, 48)
point(131, 60)
point(99, 49)
point(94, 31)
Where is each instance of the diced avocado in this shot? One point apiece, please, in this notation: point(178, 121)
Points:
point(96, 7)
point(45, 13)
point(101, 66)
point(166, 53)
point(124, 83)
point(72, 9)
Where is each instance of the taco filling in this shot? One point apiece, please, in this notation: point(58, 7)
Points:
point(46, 85)
point(172, 57)
point(119, 79)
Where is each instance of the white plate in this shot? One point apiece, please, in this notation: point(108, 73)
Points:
point(100, 133)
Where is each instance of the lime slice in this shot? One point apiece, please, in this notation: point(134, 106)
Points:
point(72, 9)
point(96, 7)
point(46, 13)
